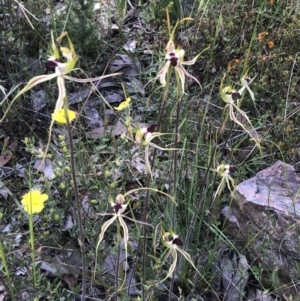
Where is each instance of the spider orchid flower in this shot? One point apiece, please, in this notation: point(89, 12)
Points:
point(174, 59)
point(230, 96)
point(119, 207)
point(173, 243)
point(224, 171)
point(60, 71)
point(246, 81)
point(144, 136)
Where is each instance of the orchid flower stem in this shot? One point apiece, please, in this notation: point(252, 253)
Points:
point(80, 220)
point(173, 221)
point(6, 272)
point(173, 226)
point(118, 260)
point(144, 219)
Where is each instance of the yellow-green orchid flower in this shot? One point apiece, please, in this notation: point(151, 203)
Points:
point(224, 171)
point(60, 71)
point(246, 81)
point(230, 96)
point(144, 136)
point(119, 207)
point(175, 59)
point(173, 243)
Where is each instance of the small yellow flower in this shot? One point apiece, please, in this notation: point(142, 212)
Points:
point(60, 117)
point(123, 105)
point(33, 201)
point(271, 44)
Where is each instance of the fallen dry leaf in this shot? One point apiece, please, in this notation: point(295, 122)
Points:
point(4, 159)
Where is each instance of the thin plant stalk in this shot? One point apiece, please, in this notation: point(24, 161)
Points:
point(198, 206)
point(173, 212)
point(31, 232)
point(118, 261)
point(30, 219)
point(80, 221)
point(144, 218)
point(174, 193)
point(144, 231)
point(178, 107)
point(6, 272)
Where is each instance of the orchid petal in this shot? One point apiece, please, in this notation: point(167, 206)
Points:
point(61, 94)
point(88, 80)
point(33, 82)
point(162, 74)
point(187, 256)
point(181, 76)
point(251, 93)
point(103, 230)
point(173, 265)
point(55, 52)
point(170, 48)
point(190, 76)
point(191, 62)
point(125, 230)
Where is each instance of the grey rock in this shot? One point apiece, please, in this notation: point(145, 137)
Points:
point(264, 222)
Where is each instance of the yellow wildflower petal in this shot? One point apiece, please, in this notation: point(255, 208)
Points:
point(123, 105)
point(60, 117)
point(33, 201)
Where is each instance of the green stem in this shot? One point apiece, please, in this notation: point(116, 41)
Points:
point(144, 231)
point(6, 272)
point(173, 221)
point(119, 238)
point(80, 220)
point(32, 246)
